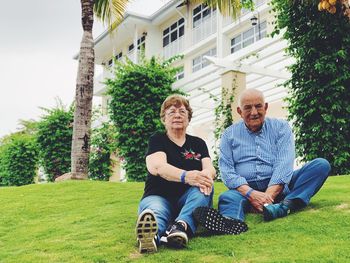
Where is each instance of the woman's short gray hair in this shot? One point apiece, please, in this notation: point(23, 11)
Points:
point(177, 101)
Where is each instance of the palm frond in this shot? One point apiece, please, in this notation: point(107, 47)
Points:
point(226, 7)
point(110, 11)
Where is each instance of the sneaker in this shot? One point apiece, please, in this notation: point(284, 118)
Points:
point(146, 231)
point(176, 236)
point(213, 221)
point(273, 211)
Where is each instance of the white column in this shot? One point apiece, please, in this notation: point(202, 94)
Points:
point(233, 82)
point(135, 57)
point(219, 38)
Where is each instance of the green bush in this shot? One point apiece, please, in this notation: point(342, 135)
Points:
point(137, 92)
point(319, 89)
point(18, 159)
point(103, 144)
point(54, 138)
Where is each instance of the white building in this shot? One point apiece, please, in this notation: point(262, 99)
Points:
point(198, 32)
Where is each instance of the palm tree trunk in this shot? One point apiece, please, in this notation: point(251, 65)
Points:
point(83, 97)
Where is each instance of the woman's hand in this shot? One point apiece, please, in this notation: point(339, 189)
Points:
point(200, 179)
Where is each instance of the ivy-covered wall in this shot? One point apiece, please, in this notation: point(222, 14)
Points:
point(319, 89)
point(137, 93)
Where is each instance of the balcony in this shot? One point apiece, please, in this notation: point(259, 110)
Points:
point(204, 29)
point(99, 86)
point(229, 20)
point(174, 48)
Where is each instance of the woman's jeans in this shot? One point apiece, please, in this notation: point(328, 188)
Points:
point(167, 212)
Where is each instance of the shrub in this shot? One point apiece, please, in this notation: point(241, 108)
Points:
point(18, 159)
point(319, 96)
point(54, 138)
point(137, 92)
point(103, 144)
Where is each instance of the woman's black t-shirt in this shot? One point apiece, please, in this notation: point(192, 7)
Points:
point(188, 157)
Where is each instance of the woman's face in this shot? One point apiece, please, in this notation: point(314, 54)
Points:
point(176, 118)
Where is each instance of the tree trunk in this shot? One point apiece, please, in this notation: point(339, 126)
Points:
point(83, 97)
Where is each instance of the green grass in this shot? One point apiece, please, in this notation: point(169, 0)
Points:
point(89, 221)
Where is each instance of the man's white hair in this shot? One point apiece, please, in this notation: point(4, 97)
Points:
point(249, 92)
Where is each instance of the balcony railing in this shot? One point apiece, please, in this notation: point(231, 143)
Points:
point(205, 29)
point(131, 56)
point(174, 48)
point(229, 20)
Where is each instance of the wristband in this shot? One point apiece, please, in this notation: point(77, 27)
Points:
point(247, 195)
point(183, 175)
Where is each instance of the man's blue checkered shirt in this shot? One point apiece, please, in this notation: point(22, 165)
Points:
point(246, 156)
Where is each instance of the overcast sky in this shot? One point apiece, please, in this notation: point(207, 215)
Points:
point(38, 39)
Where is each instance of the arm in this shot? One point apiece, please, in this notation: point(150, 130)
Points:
point(208, 168)
point(283, 166)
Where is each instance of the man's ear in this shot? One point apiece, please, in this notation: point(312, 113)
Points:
point(239, 111)
point(266, 105)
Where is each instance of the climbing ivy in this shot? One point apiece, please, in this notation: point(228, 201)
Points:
point(137, 92)
point(319, 89)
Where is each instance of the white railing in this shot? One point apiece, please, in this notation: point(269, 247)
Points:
point(174, 48)
point(99, 86)
point(205, 29)
point(229, 20)
point(131, 56)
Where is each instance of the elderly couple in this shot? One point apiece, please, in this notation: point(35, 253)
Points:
point(256, 165)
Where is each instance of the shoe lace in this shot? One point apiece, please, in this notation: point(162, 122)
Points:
point(178, 226)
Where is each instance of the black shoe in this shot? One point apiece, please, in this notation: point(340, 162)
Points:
point(213, 221)
point(146, 231)
point(176, 236)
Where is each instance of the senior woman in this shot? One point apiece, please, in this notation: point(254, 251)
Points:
point(180, 179)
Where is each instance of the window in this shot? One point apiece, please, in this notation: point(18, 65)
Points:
point(119, 56)
point(110, 62)
point(174, 32)
point(248, 37)
point(180, 73)
point(140, 44)
point(201, 13)
point(200, 62)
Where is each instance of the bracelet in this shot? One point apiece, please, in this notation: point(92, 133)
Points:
point(247, 195)
point(183, 175)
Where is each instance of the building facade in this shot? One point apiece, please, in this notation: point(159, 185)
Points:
point(215, 49)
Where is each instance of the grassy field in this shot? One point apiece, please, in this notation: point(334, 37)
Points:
point(89, 221)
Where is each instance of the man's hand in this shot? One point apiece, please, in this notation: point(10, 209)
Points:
point(274, 190)
point(200, 179)
point(258, 199)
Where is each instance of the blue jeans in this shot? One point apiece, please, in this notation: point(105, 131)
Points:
point(305, 183)
point(168, 211)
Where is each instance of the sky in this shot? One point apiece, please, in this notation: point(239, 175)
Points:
point(38, 40)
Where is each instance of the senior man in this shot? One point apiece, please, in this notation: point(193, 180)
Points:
point(256, 163)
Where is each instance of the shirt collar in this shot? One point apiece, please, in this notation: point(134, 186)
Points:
point(258, 132)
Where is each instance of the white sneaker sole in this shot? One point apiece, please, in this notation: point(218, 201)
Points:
point(146, 230)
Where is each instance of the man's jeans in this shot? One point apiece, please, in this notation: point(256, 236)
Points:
point(305, 183)
point(166, 212)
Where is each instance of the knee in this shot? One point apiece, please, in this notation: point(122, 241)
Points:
point(323, 166)
point(229, 196)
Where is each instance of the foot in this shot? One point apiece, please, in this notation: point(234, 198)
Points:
point(176, 236)
point(146, 231)
point(213, 221)
point(273, 211)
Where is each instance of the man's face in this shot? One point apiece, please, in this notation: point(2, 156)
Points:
point(253, 111)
